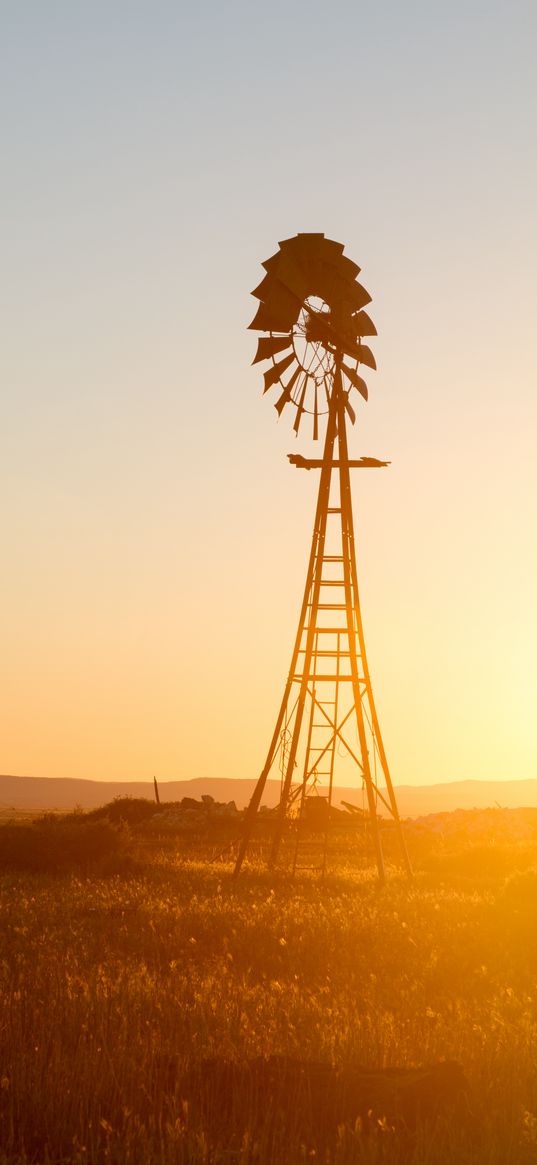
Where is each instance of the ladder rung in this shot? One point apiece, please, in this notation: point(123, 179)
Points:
point(330, 630)
point(332, 582)
point(318, 678)
point(331, 607)
point(332, 558)
point(333, 654)
point(334, 510)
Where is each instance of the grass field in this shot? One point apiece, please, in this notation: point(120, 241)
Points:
point(114, 985)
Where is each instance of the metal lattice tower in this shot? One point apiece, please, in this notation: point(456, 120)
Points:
point(311, 311)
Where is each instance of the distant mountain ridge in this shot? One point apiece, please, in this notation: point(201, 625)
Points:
point(49, 793)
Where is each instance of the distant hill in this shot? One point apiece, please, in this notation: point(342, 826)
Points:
point(49, 793)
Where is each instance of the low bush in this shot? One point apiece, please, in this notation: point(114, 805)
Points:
point(133, 810)
point(71, 845)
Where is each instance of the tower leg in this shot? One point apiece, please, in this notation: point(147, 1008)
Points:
point(348, 551)
point(311, 596)
point(355, 618)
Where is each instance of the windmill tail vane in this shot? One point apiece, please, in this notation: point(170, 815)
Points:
point(311, 313)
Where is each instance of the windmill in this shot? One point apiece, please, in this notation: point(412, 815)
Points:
point(313, 324)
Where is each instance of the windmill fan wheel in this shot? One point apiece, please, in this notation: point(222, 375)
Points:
point(312, 307)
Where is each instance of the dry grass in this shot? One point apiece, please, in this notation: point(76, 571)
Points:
point(112, 988)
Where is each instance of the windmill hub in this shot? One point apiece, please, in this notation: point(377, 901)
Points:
point(324, 328)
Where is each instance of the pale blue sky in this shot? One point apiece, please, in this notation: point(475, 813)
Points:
point(152, 157)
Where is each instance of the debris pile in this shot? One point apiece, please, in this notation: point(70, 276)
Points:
point(187, 815)
point(190, 814)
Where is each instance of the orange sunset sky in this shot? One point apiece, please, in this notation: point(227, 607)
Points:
point(154, 536)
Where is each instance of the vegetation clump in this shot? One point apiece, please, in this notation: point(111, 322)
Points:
point(132, 810)
point(75, 844)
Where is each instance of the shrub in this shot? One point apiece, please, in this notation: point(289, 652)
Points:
point(55, 845)
point(133, 810)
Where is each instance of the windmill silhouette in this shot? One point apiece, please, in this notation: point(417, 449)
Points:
point(311, 312)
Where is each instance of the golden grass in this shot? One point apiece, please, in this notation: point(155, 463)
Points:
point(111, 988)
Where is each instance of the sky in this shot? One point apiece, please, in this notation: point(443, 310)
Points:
point(154, 537)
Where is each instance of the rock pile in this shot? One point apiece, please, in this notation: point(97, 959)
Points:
point(190, 814)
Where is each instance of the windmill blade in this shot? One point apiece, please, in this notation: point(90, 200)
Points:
point(355, 380)
point(324, 281)
point(348, 269)
point(303, 245)
point(329, 244)
point(366, 356)
point(272, 263)
point(329, 248)
point(300, 408)
point(358, 296)
point(284, 268)
point(286, 397)
point(315, 418)
point(270, 318)
point(364, 324)
point(279, 298)
point(269, 346)
point(277, 370)
point(350, 410)
point(309, 248)
point(262, 291)
point(279, 308)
